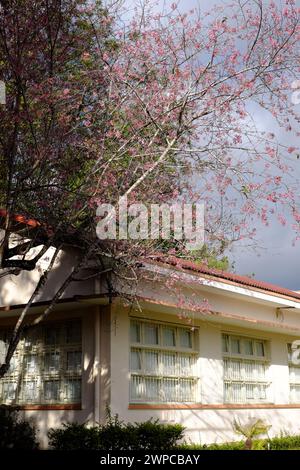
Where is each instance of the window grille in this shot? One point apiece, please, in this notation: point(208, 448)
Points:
point(246, 370)
point(294, 378)
point(46, 366)
point(163, 363)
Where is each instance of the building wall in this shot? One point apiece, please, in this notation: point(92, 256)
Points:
point(44, 417)
point(106, 376)
point(16, 290)
point(211, 420)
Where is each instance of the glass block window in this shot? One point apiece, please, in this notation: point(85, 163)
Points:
point(294, 377)
point(46, 367)
point(246, 370)
point(163, 363)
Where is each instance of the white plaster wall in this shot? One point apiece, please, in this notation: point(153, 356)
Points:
point(192, 289)
point(16, 290)
point(204, 425)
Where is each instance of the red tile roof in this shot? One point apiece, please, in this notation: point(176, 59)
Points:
point(217, 273)
point(20, 219)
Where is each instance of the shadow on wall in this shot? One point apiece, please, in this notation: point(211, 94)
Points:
point(17, 289)
point(208, 426)
point(44, 420)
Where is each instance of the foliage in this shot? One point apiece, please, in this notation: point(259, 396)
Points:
point(283, 442)
point(236, 445)
point(73, 436)
point(115, 435)
point(16, 433)
point(253, 428)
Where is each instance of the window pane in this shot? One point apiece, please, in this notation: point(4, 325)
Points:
point(31, 363)
point(31, 339)
point(74, 332)
point(9, 390)
point(235, 346)
point(168, 364)
point(135, 332)
point(225, 343)
point(151, 362)
point(185, 364)
point(2, 350)
point(245, 380)
point(52, 336)
point(152, 389)
point(169, 390)
point(295, 393)
point(51, 390)
point(73, 390)
point(52, 362)
point(248, 347)
point(185, 338)
point(30, 391)
point(135, 360)
point(289, 349)
point(186, 390)
point(150, 334)
point(137, 388)
point(260, 350)
point(294, 374)
point(74, 360)
point(164, 376)
point(168, 336)
point(41, 363)
point(13, 366)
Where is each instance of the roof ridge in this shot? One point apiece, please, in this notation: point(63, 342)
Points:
point(237, 278)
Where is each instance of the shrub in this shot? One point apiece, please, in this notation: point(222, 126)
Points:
point(260, 444)
point(116, 435)
point(253, 428)
point(16, 433)
point(237, 445)
point(74, 436)
point(284, 442)
point(156, 436)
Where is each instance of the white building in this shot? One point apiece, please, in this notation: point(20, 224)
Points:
point(160, 355)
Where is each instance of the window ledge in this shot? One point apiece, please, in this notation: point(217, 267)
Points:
point(199, 406)
point(70, 406)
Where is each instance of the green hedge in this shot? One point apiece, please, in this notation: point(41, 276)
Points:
point(284, 442)
point(115, 435)
point(146, 436)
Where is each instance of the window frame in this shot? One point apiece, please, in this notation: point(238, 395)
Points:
point(160, 375)
point(39, 348)
point(242, 359)
point(292, 383)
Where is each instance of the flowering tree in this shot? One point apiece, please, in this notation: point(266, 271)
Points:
point(156, 109)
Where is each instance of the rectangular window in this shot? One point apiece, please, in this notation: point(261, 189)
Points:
point(245, 370)
point(46, 367)
point(163, 363)
point(294, 377)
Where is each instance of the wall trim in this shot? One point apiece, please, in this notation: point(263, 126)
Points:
point(199, 406)
point(50, 407)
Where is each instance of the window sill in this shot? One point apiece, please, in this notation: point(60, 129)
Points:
point(199, 406)
point(49, 407)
